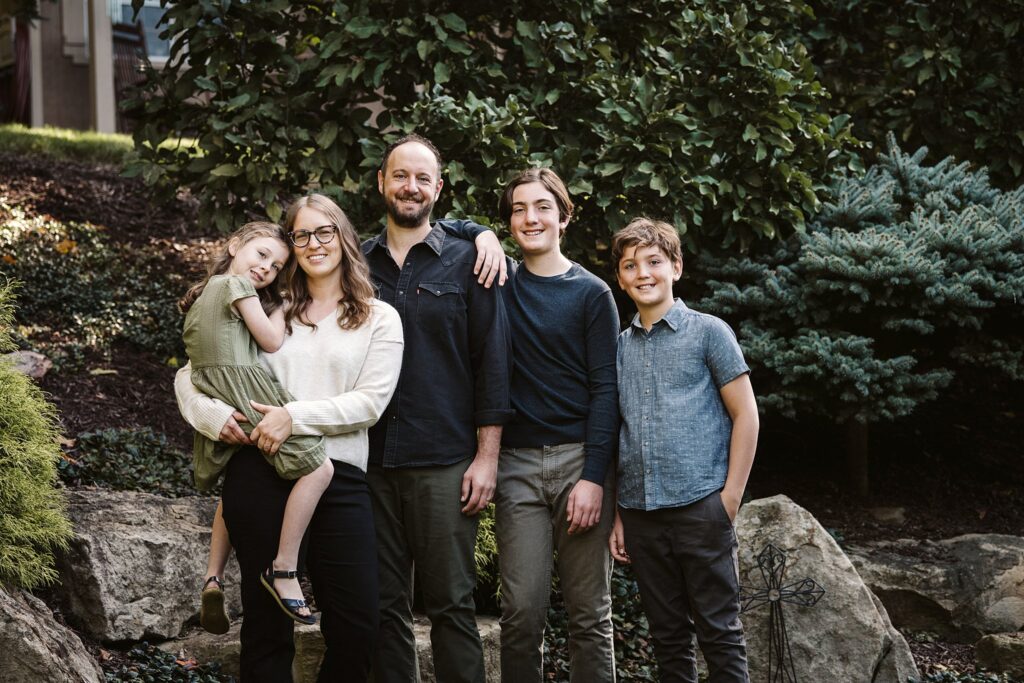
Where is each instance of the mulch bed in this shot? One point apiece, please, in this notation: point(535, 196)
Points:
point(98, 194)
point(934, 656)
point(132, 388)
point(135, 390)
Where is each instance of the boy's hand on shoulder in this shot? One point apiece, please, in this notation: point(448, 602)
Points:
point(617, 541)
point(731, 503)
point(584, 508)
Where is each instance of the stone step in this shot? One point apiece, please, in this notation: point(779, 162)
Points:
point(309, 648)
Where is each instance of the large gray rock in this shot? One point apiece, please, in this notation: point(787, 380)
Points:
point(960, 588)
point(309, 649)
point(29, 363)
point(846, 636)
point(1002, 653)
point(34, 647)
point(134, 568)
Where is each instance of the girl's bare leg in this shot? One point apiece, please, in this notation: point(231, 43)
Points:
point(302, 501)
point(212, 616)
point(220, 546)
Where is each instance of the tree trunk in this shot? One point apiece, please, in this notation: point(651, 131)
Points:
point(857, 457)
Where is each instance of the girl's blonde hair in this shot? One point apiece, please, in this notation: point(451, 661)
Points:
point(357, 291)
point(270, 296)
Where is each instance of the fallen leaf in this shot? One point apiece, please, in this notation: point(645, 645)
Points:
point(10, 260)
point(187, 664)
point(66, 442)
point(65, 246)
point(102, 371)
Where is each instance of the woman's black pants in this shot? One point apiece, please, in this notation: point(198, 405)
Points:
point(341, 559)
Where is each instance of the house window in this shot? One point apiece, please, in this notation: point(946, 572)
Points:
point(149, 15)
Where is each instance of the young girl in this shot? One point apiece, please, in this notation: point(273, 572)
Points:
point(237, 307)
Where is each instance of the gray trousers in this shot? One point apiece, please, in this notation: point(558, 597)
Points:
point(420, 527)
point(685, 563)
point(530, 509)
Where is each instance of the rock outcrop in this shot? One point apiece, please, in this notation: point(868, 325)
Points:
point(1002, 653)
point(847, 635)
point(960, 588)
point(134, 568)
point(35, 647)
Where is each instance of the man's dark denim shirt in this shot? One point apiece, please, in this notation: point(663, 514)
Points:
point(458, 354)
point(676, 431)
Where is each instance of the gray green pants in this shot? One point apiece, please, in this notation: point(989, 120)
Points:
point(530, 507)
point(421, 529)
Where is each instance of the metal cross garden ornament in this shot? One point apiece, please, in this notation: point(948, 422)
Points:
point(805, 592)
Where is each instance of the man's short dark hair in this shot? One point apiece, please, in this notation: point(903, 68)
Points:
point(411, 137)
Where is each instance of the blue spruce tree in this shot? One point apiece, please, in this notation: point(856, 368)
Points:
point(909, 276)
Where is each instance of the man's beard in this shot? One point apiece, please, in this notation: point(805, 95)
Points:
point(407, 220)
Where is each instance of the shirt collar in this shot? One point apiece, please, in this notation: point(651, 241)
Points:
point(673, 317)
point(434, 239)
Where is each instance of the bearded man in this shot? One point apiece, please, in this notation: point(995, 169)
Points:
point(434, 453)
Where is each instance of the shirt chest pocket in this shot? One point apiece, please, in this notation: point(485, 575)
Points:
point(438, 305)
point(683, 371)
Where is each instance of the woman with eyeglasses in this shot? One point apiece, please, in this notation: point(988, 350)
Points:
point(340, 361)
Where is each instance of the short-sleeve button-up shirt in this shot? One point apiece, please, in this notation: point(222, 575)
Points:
point(675, 434)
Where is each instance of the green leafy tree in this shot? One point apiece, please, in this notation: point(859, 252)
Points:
point(911, 274)
point(32, 520)
point(699, 113)
point(943, 74)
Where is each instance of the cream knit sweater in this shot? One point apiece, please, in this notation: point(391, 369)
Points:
point(342, 381)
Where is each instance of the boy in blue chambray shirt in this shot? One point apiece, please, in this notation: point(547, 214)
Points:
point(686, 445)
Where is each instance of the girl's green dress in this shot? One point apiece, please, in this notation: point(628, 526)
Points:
point(225, 366)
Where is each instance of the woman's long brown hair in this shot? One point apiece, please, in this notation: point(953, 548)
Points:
point(270, 296)
point(357, 291)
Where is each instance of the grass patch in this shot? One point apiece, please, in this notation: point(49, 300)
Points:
point(63, 143)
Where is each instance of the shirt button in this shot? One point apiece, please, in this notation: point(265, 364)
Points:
point(400, 293)
point(647, 391)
